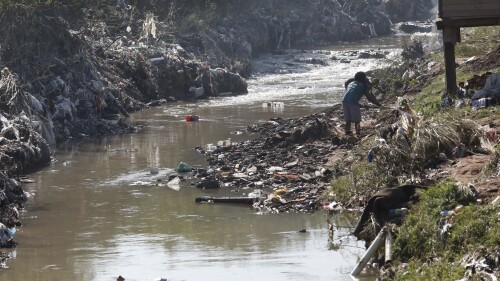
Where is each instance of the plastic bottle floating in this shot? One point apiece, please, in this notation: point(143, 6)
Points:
point(192, 118)
point(273, 104)
point(224, 143)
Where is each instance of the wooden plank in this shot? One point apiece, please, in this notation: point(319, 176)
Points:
point(475, 13)
point(468, 14)
point(468, 2)
point(470, 22)
point(471, 9)
point(475, 7)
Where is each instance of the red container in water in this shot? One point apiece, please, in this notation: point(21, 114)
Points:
point(191, 118)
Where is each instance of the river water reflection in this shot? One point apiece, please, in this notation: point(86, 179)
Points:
point(97, 213)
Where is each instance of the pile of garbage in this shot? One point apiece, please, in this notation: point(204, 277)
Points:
point(480, 91)
point(22, 148)
point(288, 162)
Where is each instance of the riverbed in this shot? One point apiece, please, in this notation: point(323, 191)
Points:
point(97, 212)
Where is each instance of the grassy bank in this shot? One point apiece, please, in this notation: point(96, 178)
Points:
point(433, 245)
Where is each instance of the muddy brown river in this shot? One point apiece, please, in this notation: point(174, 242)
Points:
point(97, 212)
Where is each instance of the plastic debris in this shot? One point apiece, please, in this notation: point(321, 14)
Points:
point(331, 206)
point(184, 168)
point(6, 234)
point(398, 212)
point(174, 184)
point(446, 213)
point(224, 143)
point(370, 156)
point(195, 93)
point(192, 118)
point(157, 59)
point(154, 170)
point(257, 193)
point(211, 148)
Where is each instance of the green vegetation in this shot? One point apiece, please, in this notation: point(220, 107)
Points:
point(363, 178)
point(434, 252)
point(478, 41)
point(431, 270)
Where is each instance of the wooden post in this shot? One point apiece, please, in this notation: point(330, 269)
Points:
point(451, 74)
point(454, 14)
point(451, 35)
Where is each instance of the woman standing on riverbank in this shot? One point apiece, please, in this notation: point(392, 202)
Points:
point(356, 88)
